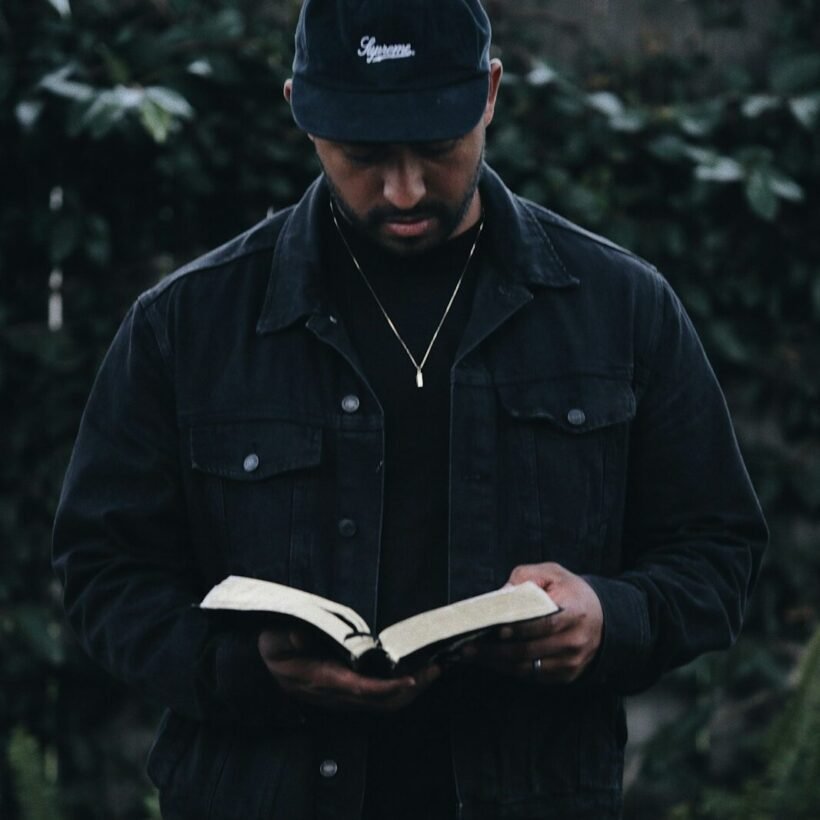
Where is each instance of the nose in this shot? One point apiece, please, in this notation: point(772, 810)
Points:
point(403, 183)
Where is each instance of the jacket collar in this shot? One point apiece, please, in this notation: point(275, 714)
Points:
point(294, 288)
point(521, 248)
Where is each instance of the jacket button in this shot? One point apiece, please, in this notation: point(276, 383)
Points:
point(250, 463)
point(350, 404)
point(576, 417)
point(328, 768)
point(347, 527)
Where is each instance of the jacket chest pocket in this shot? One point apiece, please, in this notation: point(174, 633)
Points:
point(255, 486)
point(564, 455)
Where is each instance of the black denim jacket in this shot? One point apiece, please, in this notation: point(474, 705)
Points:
point(231, 430)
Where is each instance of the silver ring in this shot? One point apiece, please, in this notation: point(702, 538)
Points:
point(536, 665)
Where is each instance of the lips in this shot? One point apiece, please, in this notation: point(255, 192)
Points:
point(409, 228)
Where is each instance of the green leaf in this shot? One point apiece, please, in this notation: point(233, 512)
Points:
point(118, 70)
point(785, 187)
point(542, 74)
point(700, 120)
point(629, 121)
point(758, 104)
point(62, 7)
point(722, 169)
point(27, 113)
point(668, 147)
point(58, 83)
point(109, 108)
point(201, 68)
point(37, 795)
point(156, 120)
point(227, 24)
point(805, 109)
point(606, 103)
point(759, 193)
point(169, 100)
point(702, 156)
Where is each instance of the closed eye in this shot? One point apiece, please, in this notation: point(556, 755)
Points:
point(365, 153)
point(373, 153)
point(433, 150)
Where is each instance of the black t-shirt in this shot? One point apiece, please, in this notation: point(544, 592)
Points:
point(409, 768)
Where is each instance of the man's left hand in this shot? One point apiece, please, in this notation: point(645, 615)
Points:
point(565, 643)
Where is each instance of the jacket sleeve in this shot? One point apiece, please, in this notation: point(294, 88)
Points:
point(694, 532)
point(122, 549)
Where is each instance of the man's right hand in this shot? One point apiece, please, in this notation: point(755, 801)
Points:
point(302, 673)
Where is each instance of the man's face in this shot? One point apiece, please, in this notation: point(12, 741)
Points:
point(406, 197)
point(409, 197)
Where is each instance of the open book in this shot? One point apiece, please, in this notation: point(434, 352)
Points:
point(401, 646)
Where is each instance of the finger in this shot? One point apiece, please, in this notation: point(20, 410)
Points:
point(555, 669)
point(427, 675)
point(302, 640)
point(512, 652)
point(331, 677)
point(536, 628)
point(272, 643)
point(340, 689)
point(541, 574)
point(424, 678)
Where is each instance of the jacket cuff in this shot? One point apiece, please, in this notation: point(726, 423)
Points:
point(626, 640)
point(242, 684)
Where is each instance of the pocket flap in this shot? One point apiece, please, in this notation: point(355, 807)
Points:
point(253, 450)
point(575, 404)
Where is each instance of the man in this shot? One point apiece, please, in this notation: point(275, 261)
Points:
point(410, 388)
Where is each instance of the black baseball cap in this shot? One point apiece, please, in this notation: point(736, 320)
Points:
point(390, 70)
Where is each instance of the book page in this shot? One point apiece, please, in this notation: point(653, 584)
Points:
point(502, 606)
point(339, 622)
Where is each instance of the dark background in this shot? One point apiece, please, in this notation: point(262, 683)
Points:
point(135, 134)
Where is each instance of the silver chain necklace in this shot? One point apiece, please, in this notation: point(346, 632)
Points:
point(418, 365)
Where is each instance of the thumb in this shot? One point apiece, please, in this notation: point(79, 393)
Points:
point(542, 574)
point(298, 640)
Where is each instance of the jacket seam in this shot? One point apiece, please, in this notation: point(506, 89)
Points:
point(657, 321)
point(547, 219)
point(532, 211)
point(205, 264)
point(155, 326)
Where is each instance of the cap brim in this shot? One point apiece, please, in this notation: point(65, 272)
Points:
point(420, 115)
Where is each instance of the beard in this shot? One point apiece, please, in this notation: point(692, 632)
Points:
point(447, 216)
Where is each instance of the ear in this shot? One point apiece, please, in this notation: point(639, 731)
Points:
point(496, 71)
point(287, 90)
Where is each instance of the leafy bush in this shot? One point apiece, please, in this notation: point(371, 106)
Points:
point(137, 133)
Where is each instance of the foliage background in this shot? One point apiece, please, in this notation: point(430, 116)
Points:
point(135, 134)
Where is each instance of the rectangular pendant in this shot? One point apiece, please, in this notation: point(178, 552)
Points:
point(419, 379)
